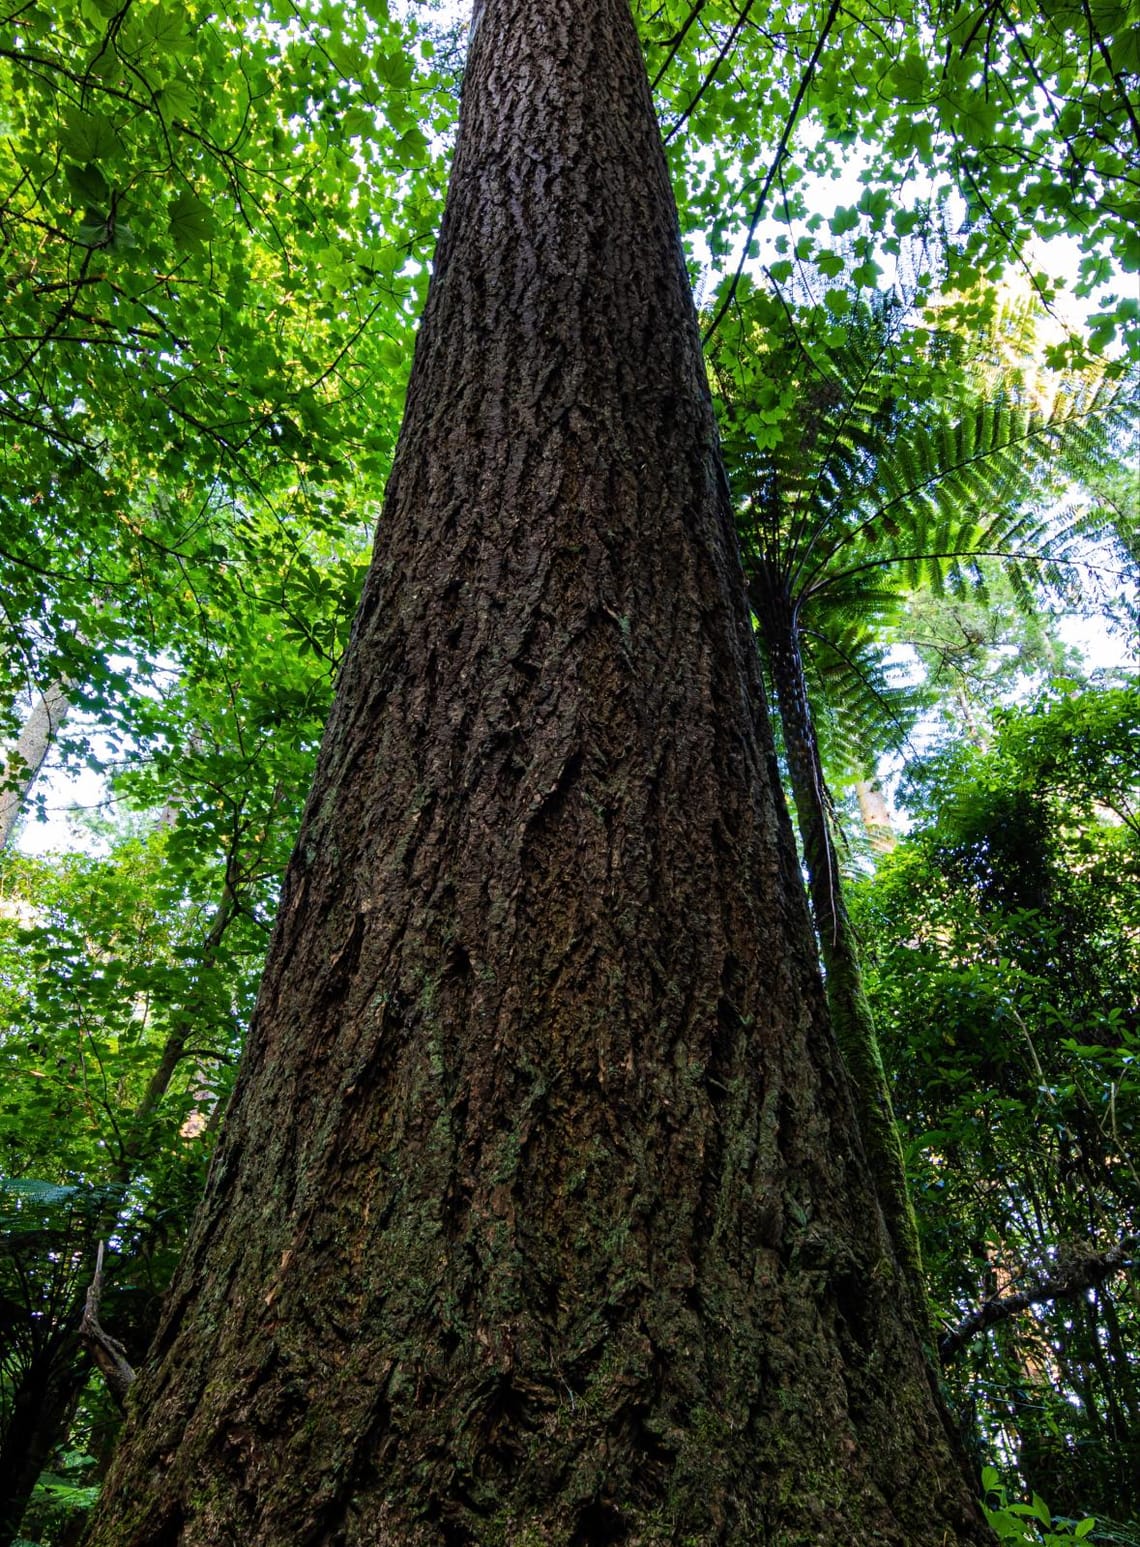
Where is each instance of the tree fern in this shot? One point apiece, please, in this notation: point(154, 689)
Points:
point(875, 478)
point(858, 476)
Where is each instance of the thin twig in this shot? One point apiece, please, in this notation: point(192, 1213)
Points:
point(781, 152)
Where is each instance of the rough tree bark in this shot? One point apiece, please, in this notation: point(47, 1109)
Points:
point(539, 1214)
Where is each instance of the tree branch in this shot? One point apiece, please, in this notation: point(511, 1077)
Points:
point(676, 43)
point(1071, 1278)
point(107, 1352)
point(711, 76)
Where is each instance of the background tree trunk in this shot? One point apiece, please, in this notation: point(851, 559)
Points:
point(876, 815)
point(36, 1422)
point(540, 1213)
point(48, 712)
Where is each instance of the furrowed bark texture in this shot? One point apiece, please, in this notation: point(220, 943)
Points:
point(539, 1214)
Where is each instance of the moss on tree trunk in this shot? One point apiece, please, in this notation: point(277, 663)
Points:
point(539, 1215)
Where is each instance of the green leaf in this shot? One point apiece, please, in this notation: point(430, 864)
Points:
point(165, 29)
point(873, 202)
point(89, 185)
point(191, 222)
point(95, 230)
point(394, 69)
point(89, 137)
point(349, 59)
point(866, 274)
point(904, 221)
point(36, 1191)
point(911, 75)
point(359, 122)
point(178, 99)
point(412, 147)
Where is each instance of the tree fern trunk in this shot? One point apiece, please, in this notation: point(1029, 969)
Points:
point(876, 815)
point(38, 1408)
point(851, 1015)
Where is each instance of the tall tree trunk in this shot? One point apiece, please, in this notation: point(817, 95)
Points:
point(876, 815)
point(539, 1214)
point(851, 1015)
point(48, 712)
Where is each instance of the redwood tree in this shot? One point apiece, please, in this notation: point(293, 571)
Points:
point(541, 1213)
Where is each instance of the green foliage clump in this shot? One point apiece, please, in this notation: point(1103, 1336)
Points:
point(1003, 961)
point(1032, 1524)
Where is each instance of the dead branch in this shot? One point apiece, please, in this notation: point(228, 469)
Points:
point(107, 1352)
